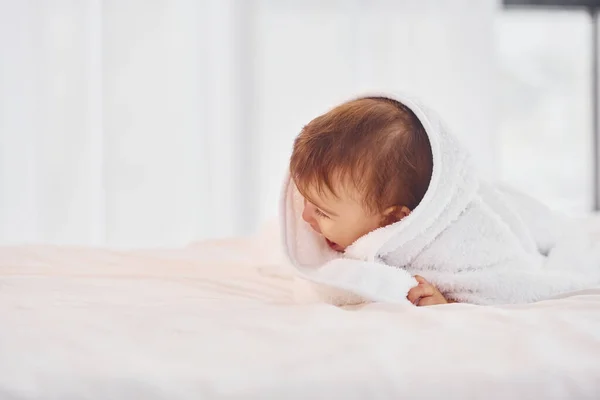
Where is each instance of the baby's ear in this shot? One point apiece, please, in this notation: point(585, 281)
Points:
point(395, 214)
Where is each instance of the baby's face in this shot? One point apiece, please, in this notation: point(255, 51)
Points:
point(340, 220)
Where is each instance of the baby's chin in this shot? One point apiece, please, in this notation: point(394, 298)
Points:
point(334, 246)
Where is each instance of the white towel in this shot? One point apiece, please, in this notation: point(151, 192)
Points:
point(475, 242)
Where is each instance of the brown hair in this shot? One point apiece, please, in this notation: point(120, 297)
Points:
point(374, 143)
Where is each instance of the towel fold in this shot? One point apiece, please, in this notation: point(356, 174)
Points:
point(474, 241)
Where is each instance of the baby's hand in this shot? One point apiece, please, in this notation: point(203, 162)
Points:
point(425, 294)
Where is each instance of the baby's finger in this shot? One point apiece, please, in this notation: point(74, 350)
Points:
point(414, 294)
point(420, 279)
point(423, 290)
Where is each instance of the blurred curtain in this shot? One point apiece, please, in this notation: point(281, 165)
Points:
point(154, 123)
point(545, 134)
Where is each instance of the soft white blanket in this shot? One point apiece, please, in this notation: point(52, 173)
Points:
point(476, 242)
point(218, 320)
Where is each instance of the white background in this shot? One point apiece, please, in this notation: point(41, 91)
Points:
point(153, 123)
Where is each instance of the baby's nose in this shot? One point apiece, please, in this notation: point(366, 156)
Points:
point(308, 216)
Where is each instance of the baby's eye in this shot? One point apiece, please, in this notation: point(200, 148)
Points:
point(321, 213)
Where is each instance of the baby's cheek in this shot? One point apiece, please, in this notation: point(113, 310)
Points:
point(349, 236)
point(337, 234)
point(327, 229)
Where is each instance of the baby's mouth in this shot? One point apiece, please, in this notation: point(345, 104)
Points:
point(334, 246)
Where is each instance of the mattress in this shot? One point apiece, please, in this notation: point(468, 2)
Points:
point(225, 320)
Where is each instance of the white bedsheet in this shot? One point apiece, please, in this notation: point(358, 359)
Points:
point(218, 320)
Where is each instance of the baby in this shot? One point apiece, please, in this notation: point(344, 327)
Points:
point(393, 211)
point(363, 165)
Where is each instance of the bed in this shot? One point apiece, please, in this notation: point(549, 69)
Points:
point(224, 320)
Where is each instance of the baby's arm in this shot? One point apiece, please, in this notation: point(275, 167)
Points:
point(371, 281)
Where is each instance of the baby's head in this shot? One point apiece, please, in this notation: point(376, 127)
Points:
point(363, 165)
